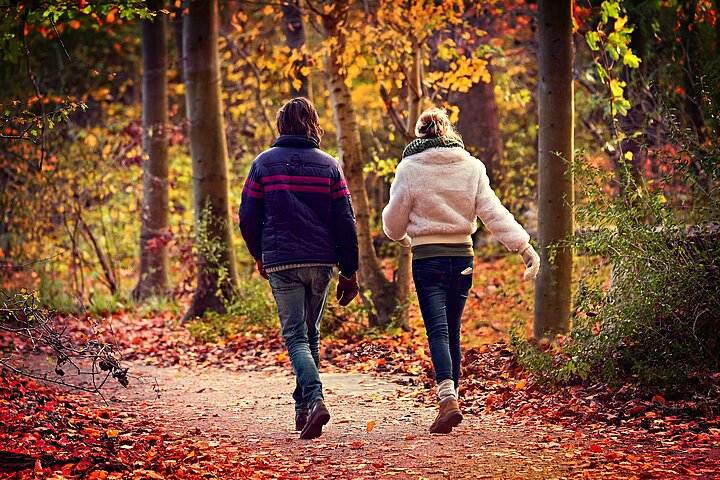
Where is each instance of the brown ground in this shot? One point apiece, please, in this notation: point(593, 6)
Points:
point(229, 410)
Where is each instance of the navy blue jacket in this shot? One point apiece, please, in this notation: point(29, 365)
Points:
point(296, 207)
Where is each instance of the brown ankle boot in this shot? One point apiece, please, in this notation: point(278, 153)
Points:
point(448, 417)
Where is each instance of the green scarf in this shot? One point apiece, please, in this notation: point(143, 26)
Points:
point(420, 144)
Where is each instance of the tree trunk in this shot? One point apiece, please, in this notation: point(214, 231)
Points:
point(295, 33)
point(555, 218)
point(217, 271)
point(414, 103)
point(691, 45)
point(381, 299)
point(177, 34)
point(479, 126)
point(155, 212)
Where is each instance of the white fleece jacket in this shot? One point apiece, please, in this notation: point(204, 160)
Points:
point(437, 195)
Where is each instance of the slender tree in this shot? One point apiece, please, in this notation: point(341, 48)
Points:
point(155, 210)
point(376, 291)
point(294, 29)
point(555, 150)
point(217, 270)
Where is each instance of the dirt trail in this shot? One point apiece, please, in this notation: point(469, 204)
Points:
point(255, 410)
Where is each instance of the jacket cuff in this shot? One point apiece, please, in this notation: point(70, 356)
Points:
point(522, 249)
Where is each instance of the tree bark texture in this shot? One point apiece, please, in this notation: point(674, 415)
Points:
point(414, 103)
point(479, 126)
point(154, 217)
point(217, 270)
point(555, 217)
point(294, 29)
point(377, 293)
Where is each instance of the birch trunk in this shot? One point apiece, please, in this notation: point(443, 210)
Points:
point(377, 293)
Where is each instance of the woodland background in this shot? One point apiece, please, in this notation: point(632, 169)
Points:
point(82, 240)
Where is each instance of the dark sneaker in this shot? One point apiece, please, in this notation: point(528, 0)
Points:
point(301, 417)
point(317, 417)
point(448, 417)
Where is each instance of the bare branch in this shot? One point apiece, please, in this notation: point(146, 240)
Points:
point(397, 120)
point(21, 315)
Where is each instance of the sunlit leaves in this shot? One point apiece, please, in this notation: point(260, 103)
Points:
point(610, 43)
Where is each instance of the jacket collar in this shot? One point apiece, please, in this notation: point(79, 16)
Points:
point(297, 141)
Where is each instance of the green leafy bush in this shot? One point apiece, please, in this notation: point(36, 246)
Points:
point(654, 319)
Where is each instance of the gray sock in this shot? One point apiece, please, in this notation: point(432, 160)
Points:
point(446, 389)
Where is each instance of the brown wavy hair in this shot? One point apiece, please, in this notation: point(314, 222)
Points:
point(434, 122)
point(299, 117)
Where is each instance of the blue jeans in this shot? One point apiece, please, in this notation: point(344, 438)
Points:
point(442, 291)
point(300, 295)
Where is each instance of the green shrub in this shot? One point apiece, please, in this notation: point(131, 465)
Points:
point(54, 296)
point(252, 308)
point(655, 321)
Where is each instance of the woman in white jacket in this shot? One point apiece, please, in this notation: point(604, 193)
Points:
point(438, 192)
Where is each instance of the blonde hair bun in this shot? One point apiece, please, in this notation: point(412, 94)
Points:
point(434, 122)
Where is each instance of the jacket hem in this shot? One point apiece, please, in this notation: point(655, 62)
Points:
point(441, 238)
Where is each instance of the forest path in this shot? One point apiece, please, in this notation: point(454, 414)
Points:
point(239, 410)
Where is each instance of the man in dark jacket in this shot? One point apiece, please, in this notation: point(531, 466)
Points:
point(298, 223)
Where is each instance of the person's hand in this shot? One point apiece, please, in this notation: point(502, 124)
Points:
point(261, 269)
point(531, 260)
point(405, 241)
point(347, 289)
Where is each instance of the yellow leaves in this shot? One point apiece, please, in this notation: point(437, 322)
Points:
point(267, 10)
point(361, 62)
point(521, 384)
point(370, 426)
point(91, 140)
point(297, 84)
point(620, 23)
point(453, 112)
point(101, 94)
point(353, 71)
point(110, 433)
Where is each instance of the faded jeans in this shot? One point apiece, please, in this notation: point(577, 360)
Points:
point(300, 295)
point(442, 291)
